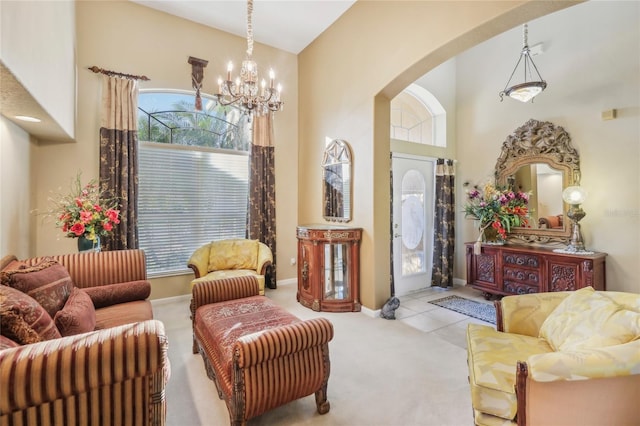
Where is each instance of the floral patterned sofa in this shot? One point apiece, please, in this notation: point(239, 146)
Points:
point(78, 341)
point(232, 258)
point(565, 358)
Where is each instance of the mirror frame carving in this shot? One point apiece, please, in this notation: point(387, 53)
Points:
point(338, 153)
point(539, 142)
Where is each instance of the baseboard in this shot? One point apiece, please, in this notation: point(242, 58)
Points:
point(459, 281)
point(172, 299)
point(287, 281)
point(370, 312)
point(187, 297)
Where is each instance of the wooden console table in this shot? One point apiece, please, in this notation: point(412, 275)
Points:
point(329, 267)
point(514, 269)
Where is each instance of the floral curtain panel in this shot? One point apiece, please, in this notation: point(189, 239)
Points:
point(444, 225)
point(119, 156)
point(262, 188)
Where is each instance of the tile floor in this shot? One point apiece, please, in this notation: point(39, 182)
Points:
point(416, 311)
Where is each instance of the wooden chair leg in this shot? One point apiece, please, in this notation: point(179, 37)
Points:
point(321, 400)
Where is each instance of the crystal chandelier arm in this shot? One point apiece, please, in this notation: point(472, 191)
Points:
point(245, 91)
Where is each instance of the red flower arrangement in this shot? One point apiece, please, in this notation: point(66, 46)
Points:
point(85, 212)
point(498, 208)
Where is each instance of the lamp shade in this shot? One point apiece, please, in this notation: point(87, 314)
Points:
point(526, 91)
point(574, 195)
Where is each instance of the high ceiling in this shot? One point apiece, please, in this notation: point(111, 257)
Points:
point(290, 25)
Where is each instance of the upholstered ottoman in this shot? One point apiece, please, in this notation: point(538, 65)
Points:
point(258, 355)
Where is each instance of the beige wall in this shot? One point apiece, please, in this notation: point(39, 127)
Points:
point(15, 204)
point(347, 77)
point(126, 37)
point(38, 45)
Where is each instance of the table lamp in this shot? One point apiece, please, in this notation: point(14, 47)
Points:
point(574, 196)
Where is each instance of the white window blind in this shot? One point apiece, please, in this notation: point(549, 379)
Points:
point(189, 196)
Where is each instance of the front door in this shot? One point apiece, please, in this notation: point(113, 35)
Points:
point(413, 189)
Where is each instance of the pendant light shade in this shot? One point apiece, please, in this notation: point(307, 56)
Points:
point(526, 91)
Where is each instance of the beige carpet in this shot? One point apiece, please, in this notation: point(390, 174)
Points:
point(383, 372)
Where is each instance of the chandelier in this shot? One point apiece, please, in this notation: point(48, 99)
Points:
point(245, 90)
point(526, 91)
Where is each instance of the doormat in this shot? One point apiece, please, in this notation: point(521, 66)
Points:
point(470, 308)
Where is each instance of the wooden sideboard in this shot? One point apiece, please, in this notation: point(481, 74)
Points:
point(329, 267)
point(515, 269)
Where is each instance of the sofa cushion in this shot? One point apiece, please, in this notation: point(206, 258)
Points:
point(589, 319)
point(112, 294)
point(77, 316)
point(48, 282)
point(22, 319)
point(123, 313)
point(587, 363)
point(492, 357)
point(233, 254)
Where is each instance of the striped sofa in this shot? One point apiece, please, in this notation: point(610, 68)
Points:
point(115, 375)
point(258, 355)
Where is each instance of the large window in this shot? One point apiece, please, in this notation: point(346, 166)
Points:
point(194, 168)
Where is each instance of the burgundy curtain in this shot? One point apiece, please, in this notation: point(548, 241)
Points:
point(119, 156)
point(262, 189)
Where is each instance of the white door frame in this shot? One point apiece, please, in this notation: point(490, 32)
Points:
point(404, 284)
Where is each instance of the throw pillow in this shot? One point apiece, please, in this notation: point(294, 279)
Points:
point(21, 316)
point(77, 316)
point(14, 264)
point(6, 343)
point(48, 282)
point(589, 319)
point(233, 254)
point(112, 294)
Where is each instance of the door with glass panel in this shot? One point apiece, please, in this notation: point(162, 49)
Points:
point(413, 188)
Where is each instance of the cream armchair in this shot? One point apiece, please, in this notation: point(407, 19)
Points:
point(233, 258)
point(579, 367)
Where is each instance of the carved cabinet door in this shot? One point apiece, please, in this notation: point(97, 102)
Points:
point(482, 269)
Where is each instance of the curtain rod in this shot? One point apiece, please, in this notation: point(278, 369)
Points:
point(118, 74)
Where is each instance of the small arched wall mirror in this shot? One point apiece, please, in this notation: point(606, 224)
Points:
point(538, 157)
point(336, 181)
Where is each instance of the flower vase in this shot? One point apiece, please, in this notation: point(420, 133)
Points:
point(87, 245)
point(490, 235)
point(487, 235)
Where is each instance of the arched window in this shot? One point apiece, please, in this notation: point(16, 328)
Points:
point(417, 116)
point(193, 176)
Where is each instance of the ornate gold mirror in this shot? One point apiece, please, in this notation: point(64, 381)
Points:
point(336, 181)
point(538, 157)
